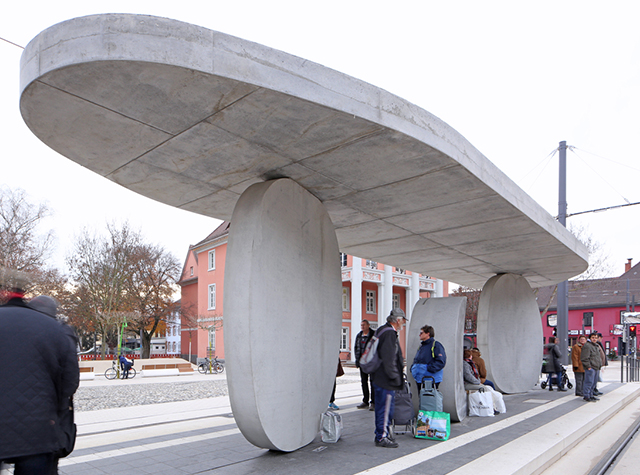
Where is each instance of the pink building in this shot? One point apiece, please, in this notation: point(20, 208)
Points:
point(594, 305)
point(369, 291)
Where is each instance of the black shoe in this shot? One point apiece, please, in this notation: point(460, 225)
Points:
point(363, 405)
point(588, 399)
point(372, 407)
point(550, 388)
point(597, 393)
point(593, 398)
point(384, 442)
point(561, 389)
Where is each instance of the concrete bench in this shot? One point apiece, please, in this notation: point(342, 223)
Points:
point(166, 369)
point(87, 373)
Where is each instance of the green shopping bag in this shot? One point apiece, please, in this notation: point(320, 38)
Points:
point(433, 425)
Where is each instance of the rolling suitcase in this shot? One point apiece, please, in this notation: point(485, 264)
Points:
point(430, 397)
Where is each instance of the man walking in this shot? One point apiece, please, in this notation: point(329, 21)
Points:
point(362, 338)
point(39, 373)
point(591, 361)
point(578, 369)
point(388, 377)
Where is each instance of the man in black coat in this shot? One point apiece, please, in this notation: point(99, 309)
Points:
point(39, 372)
point(388, 377)
point(362, 338)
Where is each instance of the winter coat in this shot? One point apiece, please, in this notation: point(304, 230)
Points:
point(429, 361)
point(576, 350)
point(389, 374)
point(39, 372)
point(552, 356)
point(590, 356)
point(476, 356)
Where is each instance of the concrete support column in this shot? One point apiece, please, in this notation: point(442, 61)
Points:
point(387, 289)
point(380, 303)
point(414, 294)
point(356, 302)
point(282, 243)
point(439, 288)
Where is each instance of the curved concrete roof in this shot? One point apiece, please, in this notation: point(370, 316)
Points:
point(192, 117)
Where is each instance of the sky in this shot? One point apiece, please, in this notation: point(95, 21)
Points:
point(514, 78)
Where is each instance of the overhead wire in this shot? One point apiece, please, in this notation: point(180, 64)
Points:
point(11, 42)
point(598, 174)
point(545, 162)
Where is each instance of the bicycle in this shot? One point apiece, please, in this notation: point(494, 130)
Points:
point(212, 366)
point(116, 372)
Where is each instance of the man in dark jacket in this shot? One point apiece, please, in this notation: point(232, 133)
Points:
point(388, 377)
point(39, 371)
point(591, 362)
point(362, 338)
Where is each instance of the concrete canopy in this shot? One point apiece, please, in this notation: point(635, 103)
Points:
point(192, 117)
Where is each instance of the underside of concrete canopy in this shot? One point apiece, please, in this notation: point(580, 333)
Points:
point(192, 118)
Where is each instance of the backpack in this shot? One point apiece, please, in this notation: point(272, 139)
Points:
point(370, 361)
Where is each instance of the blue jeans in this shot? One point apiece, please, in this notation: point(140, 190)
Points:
point(384, 410)
point(589, 383)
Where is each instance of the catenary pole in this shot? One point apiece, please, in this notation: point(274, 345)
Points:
point(563, 291)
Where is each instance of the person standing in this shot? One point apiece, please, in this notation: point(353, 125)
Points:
point(430, 358)
point(591, 361)
point(388, 377)
point(553, 366)
point(605, 362)
point(362, 338)
point(39, 373)
point(578, 369)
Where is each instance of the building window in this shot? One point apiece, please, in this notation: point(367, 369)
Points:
point(344, 339)
point(212, 296)
point(212, 259)
point(191, 270)
point(396, 300)
point(212, 339)
point(371, 264)
point(345, 299)
point(587, 319)
point(343, 259)
point(370, 301)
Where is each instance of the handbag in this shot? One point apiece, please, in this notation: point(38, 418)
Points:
point(480, 403)
point(330, 427)
point(433, 425)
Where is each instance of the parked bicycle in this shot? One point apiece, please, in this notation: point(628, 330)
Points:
point(211, 366)
point(116, 372)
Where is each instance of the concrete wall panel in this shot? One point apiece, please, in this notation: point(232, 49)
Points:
point(282, 314)
point(510, 333)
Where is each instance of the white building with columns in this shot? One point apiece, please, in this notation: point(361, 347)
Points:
point(370, 290)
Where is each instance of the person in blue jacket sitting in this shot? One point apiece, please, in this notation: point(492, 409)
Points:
point(430, 358)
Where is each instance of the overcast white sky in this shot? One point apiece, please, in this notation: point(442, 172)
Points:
point(515, 78)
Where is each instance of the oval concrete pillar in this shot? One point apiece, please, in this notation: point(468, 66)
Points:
point(510, 333)
point(446, 316)
point(282, 314)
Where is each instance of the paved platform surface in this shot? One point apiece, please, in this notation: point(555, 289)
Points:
point(200, 437)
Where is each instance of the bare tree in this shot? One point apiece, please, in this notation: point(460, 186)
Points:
point(100, 269)
point(151, 286)
point(471, 313)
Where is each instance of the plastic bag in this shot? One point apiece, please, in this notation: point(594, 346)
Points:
point(330, 427)
point(433, 425)
point(480, 404)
